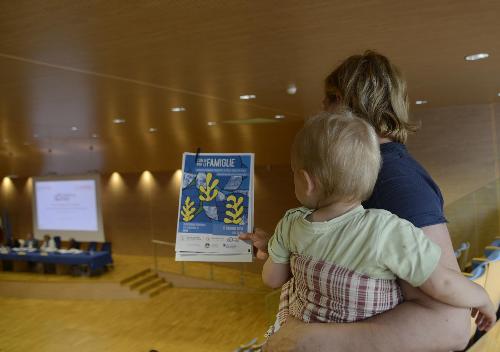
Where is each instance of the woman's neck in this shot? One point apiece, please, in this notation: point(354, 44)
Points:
point(331, 211)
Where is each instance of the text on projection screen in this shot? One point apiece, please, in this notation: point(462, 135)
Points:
point(66, 205)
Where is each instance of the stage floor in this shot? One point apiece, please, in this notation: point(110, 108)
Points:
point(127, 265)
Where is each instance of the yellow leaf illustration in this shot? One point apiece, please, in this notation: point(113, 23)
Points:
point(235, 212)
point(188, 210)
point(210, 192)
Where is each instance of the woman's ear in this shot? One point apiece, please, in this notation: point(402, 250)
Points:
point(308, 182)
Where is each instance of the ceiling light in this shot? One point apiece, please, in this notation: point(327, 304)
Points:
point(94, 135)
point(475, 57)
point(178, 109)
point(118, 121)
point(279, 117)
point(291, 89)
point(212, 123)
point(152, 129)
point(248, 97)
point(421, 102)
point(74, 128)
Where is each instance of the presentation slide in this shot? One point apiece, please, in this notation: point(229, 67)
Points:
point(69, 208)
point(66, 205)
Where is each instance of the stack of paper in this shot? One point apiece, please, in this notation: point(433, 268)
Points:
point(215, 205)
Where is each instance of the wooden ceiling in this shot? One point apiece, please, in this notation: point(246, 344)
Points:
point(82, 64)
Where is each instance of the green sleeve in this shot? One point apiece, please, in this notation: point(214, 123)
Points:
point(278, 246)
point(406, 251)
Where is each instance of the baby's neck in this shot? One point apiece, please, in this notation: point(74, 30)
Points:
point(331, 211)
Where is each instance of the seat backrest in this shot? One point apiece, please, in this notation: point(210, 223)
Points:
point(57, 240)
point(106, 247)
point(92, 246)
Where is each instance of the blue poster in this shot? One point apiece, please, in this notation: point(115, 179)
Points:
point(215, 203)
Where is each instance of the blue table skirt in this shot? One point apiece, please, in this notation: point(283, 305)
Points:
point(96, 260)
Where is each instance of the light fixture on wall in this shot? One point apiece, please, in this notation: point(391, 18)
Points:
point(74, 128)
point(475, 57)
point(152, 130)
point(118, 121)
point(212, 123)
point(279, 117)
point(421, 102)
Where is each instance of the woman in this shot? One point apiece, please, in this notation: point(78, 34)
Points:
point(374, 90)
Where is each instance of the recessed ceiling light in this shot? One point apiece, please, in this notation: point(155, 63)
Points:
point(212, 123)
point(279, 116)
point(248, 97)
point(475, 57)
point(118, 121)
point(95, 135)
point(421, 102)
point(291, 89)
point(178, 109)
point(152, 129)
point(74, 128)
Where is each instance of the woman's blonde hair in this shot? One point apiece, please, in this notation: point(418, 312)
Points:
point(374, 89)
point(341, 152)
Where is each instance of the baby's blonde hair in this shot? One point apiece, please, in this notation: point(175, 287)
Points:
point(341, 152)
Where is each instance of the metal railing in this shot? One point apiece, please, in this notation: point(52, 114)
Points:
point(183, 264)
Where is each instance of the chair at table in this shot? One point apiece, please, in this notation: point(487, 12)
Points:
point(106, 247)
point(92, 247)
point(57, 240)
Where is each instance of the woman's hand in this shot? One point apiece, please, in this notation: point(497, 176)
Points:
point(259, 239)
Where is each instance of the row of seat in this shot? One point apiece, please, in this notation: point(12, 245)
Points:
point(486, 272)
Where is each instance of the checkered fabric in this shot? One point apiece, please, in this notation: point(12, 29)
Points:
point(324, 292)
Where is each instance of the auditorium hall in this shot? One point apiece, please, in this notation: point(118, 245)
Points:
point(239, 175)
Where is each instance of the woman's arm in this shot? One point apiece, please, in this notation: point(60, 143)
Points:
point(275, 275)
point(418, 324)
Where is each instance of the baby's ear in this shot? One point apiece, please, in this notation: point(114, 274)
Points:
point(308, 180)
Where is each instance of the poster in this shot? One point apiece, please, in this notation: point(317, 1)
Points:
point(215, 206)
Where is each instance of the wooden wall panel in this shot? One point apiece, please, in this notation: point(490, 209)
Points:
point(457, 145)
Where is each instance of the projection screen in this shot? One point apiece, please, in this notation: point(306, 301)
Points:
point(69, 207)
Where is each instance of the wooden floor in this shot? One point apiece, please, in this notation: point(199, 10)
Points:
point(179, 319)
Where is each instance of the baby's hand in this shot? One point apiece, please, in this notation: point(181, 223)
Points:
point(486, 316)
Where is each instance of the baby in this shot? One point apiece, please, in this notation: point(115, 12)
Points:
point(339, 262)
